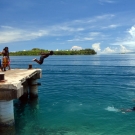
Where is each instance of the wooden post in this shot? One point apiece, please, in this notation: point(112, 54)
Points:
point(6, 113)
point(2, 76)
point(30, 67)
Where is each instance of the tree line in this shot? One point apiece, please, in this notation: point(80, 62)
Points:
point(37, 51)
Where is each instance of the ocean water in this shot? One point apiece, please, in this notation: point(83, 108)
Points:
point(79, 95)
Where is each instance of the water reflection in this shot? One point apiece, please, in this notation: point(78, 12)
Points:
point(26, 114)
point(7, 130)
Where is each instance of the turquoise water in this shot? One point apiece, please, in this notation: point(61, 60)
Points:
point(79, 95)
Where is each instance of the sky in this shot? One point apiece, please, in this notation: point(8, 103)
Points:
point(107, 26)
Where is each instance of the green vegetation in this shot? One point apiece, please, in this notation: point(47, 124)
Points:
point(37, 51)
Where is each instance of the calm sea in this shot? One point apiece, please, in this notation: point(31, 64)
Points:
point(79, 95)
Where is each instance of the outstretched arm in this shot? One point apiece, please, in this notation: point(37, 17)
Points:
point(3, 52)
point(51, 53)
point(47, 54)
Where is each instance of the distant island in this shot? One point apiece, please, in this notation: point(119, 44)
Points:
point(37, 51)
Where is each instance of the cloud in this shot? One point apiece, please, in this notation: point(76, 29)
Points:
point(87, 21)
point(66, 28)
point(119, 49)
point(10, 34)
point(112, 26)
point(107, 1)
point(93, 34)
point(108, 50)
point(132, 32)
point(123, 49)
point(90, 36)
point(77, 29)
point(7, 27)
point(80, 39)
point(76, 48)
point(128, 40)
point(96, 47)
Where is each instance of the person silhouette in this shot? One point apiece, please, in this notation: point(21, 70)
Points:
point(128, 110)
point(5, 59)
point(42, 57)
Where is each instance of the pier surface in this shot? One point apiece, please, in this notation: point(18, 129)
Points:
point(12, 86)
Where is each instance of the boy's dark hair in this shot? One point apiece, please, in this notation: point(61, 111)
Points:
point(51, 52)
point(6, 48)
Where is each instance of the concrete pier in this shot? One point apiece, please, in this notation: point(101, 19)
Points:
point(6, 112)
point(17, 83)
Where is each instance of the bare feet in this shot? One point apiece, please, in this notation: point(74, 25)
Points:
point(34, 59)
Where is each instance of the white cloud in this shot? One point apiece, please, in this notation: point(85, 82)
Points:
point(77, 28)
point(132, 32)
point(7, 27)
point(129, 40)
point(67, 28)
point(76, 48)
point(94, 34)
point(107, 1)
point(123, 49)
point(87, 38)
point(112, 26)
point(90, 36)
point(75, 39)
point(108, 50)
point(103, 17)
point(90, 20)
point(80, 39)
point(12, 35)
point(96, 47)
point(120, 49)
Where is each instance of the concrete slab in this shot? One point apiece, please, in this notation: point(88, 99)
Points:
point(12, 86)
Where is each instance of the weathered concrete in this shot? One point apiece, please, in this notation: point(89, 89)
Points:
point(17, 83)
point(33, 88)
point(6, 112)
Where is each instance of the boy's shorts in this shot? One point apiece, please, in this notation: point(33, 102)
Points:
point(41, 59)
